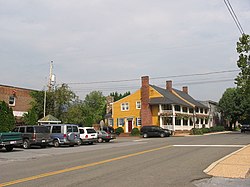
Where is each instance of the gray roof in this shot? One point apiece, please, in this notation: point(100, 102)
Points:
point(189, 98)
point(169, 98)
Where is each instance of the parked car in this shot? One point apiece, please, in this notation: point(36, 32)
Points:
point(34, 135)
point(104, 136)
point(108, 129)
point(10, 139)
point(64, 134)
point(154, 131)
point(245, 127)
point(87, 135)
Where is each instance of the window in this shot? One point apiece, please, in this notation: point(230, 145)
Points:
point(177, 121)
point(22, 129)
point(191, 110)
point(124, 107)
point(206, 111)
point(196, 109)
point(69, 128)
point(81, 131)
point(201, 110)
point(12, 100)
point(185, 122)
point(120, 121)
point(138, 121)
point(138, 104)
point(202, 121)
point(177, 108)
point(75, 128)
point(56, 129)
point(166, 107)
point(111, 122)
point(184, 109)
point(30, 130)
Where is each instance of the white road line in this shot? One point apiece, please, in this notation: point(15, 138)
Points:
point(141, 140)
point(208, 145)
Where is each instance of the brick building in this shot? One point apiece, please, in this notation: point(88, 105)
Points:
point(19, 99)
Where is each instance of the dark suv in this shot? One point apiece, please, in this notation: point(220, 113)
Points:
point(34, 135)
point(245, 127)
point(154, 131)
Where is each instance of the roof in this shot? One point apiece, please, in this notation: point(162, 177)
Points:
point(49, 119)
point(170, 98)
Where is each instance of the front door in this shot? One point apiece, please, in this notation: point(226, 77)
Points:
point(129, 125)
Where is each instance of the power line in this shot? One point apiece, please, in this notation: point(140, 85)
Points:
point(236, 20)
point(154, 78)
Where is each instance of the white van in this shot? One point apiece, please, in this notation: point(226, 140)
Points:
point(87, 135)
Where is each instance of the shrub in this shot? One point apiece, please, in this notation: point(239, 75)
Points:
point(135, 132)
point(217, 129)
point(195, 131)
point(206, 130)
point(119, 130)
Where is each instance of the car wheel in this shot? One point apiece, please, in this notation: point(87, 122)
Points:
point(9, 148)
point(91, 143)
point(100, 140)
point(162, 135)
point(26, 144)
point(56, 143)
point(145, 135)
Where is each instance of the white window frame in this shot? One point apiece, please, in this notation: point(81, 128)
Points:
point(138, 104)
point(125, 106)
point(138, 121)
point(14, 102)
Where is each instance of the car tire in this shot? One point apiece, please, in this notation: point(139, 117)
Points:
point(56, 143)
point(91, 143)
point(9, 148)
point(100, 140)
point(26, 144)
point(162, 135)
point(145, 135)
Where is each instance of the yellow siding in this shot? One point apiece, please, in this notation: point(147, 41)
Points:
point(155, 110)
point(134, 113)
point(131, 113)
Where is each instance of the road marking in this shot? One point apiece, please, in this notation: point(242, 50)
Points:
point(79, 167)
point(208, 145)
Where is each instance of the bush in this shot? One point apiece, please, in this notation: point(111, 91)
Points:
point(135, 132)
point(119, 130)
point(206, 130)
point(195, 131)
point(217, 128)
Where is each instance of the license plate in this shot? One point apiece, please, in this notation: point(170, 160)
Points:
point(12, 142)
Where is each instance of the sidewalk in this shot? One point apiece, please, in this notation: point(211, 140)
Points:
point(235, 165)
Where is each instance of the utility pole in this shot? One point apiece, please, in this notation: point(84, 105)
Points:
point(50, 76)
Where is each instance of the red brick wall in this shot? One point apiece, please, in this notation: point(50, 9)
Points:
point(146, 115)
point(22, 97)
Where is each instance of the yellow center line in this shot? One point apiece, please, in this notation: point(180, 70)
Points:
point(79, 167)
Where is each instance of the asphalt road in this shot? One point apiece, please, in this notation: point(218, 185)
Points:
point(173, 161)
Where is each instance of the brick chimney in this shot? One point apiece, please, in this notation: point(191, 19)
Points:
point(169, 86)
point(146, 115)
point(185, 89)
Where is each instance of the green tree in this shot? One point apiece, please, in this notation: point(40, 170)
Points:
point(243, 79)
point(7, 119)
point(230, 106)
point(94, 107)
point(118, 96)
point(31, 117)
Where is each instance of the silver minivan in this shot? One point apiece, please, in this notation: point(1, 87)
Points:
point(64, 134)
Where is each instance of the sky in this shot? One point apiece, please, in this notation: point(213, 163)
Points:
point(108, 45)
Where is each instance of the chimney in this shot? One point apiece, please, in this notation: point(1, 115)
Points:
point(146, 115)
point(169, 86)
point(185, 89)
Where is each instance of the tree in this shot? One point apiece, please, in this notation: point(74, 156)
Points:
point(94, 107)
point(7, 119)
point(119, 96)
point(243, 79)
point(30, 118)
point(230, 106)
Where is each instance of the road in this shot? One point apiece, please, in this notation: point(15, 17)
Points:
point(173, 161)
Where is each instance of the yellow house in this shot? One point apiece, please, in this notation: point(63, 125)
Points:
point(152, 105)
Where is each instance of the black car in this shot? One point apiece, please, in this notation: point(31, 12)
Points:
point(245, 127)
point(154, 131)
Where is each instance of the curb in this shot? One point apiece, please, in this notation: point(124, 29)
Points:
point(209, 168)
